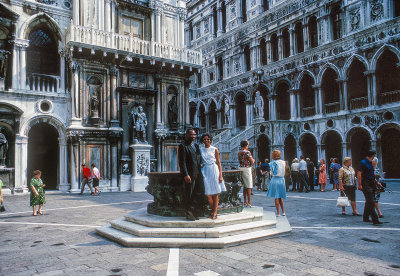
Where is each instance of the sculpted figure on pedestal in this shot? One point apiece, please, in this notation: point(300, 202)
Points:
point(172, 111)
point(227, 112)
point(3, 148)
point(259, 105)
point(139, 119)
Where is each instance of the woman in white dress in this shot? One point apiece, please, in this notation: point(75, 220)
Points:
point(212, 174)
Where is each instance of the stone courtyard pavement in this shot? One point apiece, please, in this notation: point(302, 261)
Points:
point(323, 242)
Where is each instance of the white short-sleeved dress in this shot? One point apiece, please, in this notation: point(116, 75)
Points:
point(210, 172)
point(277, 187)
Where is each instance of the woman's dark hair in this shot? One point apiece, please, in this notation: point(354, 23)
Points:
point(336, 160)
point(206, 135)
point(93, 165)
point(371, 153)
point(244, 143)
point(36, 172)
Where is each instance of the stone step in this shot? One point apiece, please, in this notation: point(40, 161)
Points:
point(248, 215)
point(129, 240)
point(184, 232)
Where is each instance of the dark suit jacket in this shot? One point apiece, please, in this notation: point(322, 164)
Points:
point(189, 160)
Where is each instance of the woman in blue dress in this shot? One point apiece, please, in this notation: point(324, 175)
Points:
point(212, 174)
point(277, 187)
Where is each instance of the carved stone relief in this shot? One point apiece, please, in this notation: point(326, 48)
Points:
point(355, 19)
point(376, 9)
point(142, 165)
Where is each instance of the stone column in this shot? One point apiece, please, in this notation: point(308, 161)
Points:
point(316, 102)
point(219, 116)
point(344, 152)
point(319, 30)
point(21, 157)
point(186, 107)
point(61, 86)
point(319, 152)
point(272, 107)
point(249, 113)
point(232, 109)
point(341, 101)
point(374, 90)
point(345, 96)
point(292, 40)
point(114, 165)
point(114, 107)
point(74, 174)
point(269, 52)
point(15, 69)
point(75, 68)
point(157, 82)
point(321, 107)
point(158, 12)
point(63, 168)
point(108, 15)
point(22, 68)
point(306, 39)
point(219, 19)
point(75, 12)
point(255, 54)
point(369, 87)
point(181, 39)
point(298, 103)
point(280, 45)
point(293, 111)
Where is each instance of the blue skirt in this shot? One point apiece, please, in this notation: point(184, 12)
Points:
point(277, 187)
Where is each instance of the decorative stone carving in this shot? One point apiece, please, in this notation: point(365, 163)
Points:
point(376, 9)
point(372, 121)
point(139, 120)
point(142, 165)
point(259, 105)
point(168, 193)
point(355, 19)
point(94, 88)
point(3, 148)
point(227, 112)
point(206, 26)
point(173, 111)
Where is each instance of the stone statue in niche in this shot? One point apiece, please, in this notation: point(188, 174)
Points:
point(94, 104)
point(173, 111)
point(259, 105)
point(227, 112)
point(3, 148)
point(139, 120)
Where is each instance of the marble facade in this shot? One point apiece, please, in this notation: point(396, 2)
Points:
point(71, 73)
point(327, 72)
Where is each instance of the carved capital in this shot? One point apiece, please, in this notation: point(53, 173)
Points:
point(22, 43)
point(114, 71)
point(75, 66)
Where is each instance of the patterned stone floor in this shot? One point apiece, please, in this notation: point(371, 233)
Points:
point(323, 242)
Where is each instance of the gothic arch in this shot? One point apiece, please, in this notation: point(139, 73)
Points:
point(350, 60)
point(326, 132)
point(300, 77)
point(209, 103)
point(237, 93)
point(324, 68)
point(380, 52)
point(53, 120)
point(384, 126)
point(221, 100)
point(351, 131)
point(309, 133)
point(37, 20)
point(283, 80)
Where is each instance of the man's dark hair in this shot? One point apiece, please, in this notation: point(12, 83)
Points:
point(371, 153)
point(336, 160)
point(206, 135)
point(93, 165)
point(244, 143)
point(189, 130)
point(301, 157)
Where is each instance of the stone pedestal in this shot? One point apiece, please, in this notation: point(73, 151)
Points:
point(7, 177)
point(140, 166)
point(124, 182)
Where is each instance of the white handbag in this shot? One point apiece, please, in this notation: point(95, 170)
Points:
point(342, 201)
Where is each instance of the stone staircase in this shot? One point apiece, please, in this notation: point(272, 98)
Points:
point(139, 229)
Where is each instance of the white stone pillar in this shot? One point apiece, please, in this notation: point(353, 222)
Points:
point(319, 151)
point(219, 19)
point(15, 69)
point(272, 108)
point(268, 48)
point(158, 24)
point(74, 167)
point(21, 157)
point(345, 96)
point(61, 87)
point(186, 105)
point(249, 113)
point(293, 111)
point(316, 101)
point(298, 113)
point(292, 40)
point(306, 39)
point(108, 15)
point(75, 68)
point(75, 12)
point(62, 181)
point(22, 69)
point(114, 107)
point(280, 45)
point(114, 166)
point(182, 29)
point(100, 14)
point(373, 88)
point(157, 81)
point(321, 107)
point(232, 109)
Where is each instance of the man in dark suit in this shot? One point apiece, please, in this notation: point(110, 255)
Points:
point(310, 169)
point(189, 157)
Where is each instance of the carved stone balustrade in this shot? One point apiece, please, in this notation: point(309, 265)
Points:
point(168, 193)
point(81, 36)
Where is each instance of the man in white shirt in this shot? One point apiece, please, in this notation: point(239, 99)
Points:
point(303, 175)
point(295, 175)
point(96, 179)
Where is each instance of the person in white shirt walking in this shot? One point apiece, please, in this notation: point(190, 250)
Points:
point(96, 179)
point(303, 177)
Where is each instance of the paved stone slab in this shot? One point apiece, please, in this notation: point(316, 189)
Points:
point(207, 273)
point(234, 255)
